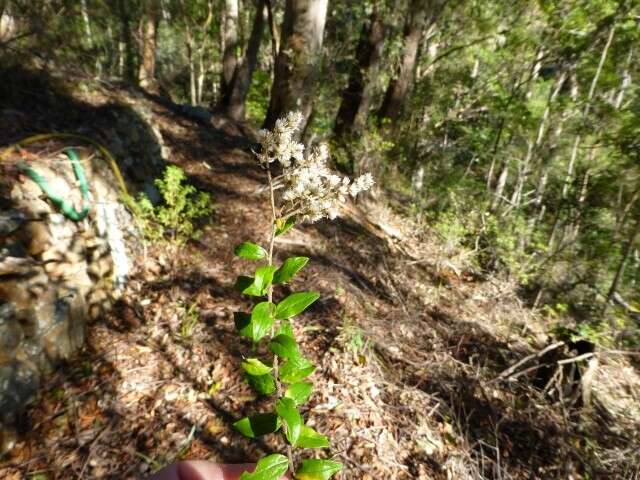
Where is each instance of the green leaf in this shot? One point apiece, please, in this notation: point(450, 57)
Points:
point(268, 468)
point(255, 367)
point(286, 329)
point(287, 411)
point(295, 304)
point(247, 286)
point(259, 424)
point(283, 226)
point(296, 369)
point(242, 321)
point(314, 469)
point(262, 384)
point(299, 392)
point(256, 286)
point(289, 268)
point(309, 438)
point(243, 283)
point(250, 251)
point(263, 278)
point(284, 346)
point(261, 321)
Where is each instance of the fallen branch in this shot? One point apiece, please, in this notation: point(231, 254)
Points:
point(509, 371)
point(579, 358)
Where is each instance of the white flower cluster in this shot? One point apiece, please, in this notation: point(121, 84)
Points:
point(312, 191)
point(279, 144)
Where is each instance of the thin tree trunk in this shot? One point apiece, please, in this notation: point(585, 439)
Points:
point(87, 22)
point(298, 62)
point(202, 71)
point(275, 37)
point(357, 96)
point(626, 81)
point(192, 67)
point(195, 55)
point(540, 191)
point(149, 35)
point(622, 217)
point(532, 147)
point(234, 103)
point(576, 143)
point(230, 47)
point(615, 284)
point(502, 182)
point(574, 228)
point(399, 85)
point(494, 152)
point(126, 50)
point(110, 49)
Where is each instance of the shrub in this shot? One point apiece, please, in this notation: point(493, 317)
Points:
point(176, 217)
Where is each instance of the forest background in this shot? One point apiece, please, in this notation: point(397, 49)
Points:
point(509, 129)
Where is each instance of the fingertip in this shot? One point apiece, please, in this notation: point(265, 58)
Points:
point(203, 470)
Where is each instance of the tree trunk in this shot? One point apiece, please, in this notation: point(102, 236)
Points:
point(230, 46)
point(234, 102)
point(196, 53)
point(578, 138)
point(502, 182)
point(126, 50)
point(149, 35)
point(202, 71)
point(87, 22)
point(626, 81)
point(192, 66)
point(615, 284)
point(533, 147)
point(621, 213)
point(298, 60)
point(275, 37)
point(414, 26)
point(356, 98)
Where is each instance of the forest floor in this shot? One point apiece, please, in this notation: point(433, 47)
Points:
point(411, 344)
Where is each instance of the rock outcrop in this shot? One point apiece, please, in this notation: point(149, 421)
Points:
point(55, 274)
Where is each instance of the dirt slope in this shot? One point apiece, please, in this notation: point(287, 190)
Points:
point(408, 343)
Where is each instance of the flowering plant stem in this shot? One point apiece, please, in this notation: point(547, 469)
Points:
point(312, 192)
point(272, 240)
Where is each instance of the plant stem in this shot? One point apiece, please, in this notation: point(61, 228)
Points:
point(270, 298)
point(270, 262)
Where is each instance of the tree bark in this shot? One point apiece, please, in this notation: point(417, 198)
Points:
point(534, 146)
point(502, 182)
point(149, 35)
point(126, 50)
point(275, 37)
point(357, 96)
point(626, 82)
point(419, 12)
point(615, 284)
point(195, 51)
point(621, 213)
point(230, 46)
point(234, 102)
point(298, 62)
point(192, 67)
point(87, 22)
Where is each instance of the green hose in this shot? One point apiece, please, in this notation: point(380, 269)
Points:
point(67, 208)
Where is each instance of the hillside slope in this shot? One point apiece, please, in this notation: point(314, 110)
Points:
point(410, 344)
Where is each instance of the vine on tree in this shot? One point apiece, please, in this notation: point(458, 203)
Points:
point(311, 192)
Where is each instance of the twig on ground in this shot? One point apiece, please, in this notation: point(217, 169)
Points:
point(509, 371)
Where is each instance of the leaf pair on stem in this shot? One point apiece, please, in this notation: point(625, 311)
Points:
point(285, 374)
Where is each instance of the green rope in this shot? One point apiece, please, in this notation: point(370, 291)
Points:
point(67, 208)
